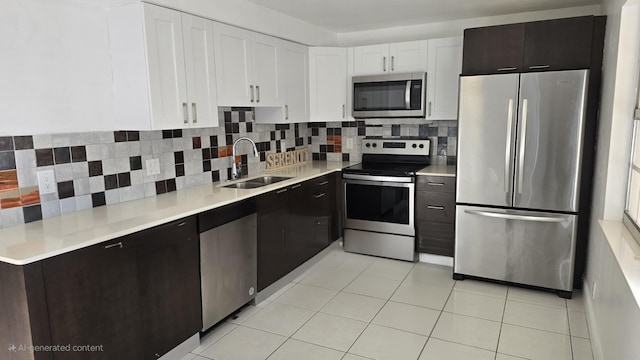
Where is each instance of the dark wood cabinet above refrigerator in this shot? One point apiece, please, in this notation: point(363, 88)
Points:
point(559, 44)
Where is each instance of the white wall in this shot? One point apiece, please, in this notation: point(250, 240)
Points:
point(455, 28)
point(614, 314)
point(54, 68)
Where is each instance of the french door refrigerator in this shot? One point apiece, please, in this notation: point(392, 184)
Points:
point(520, 140)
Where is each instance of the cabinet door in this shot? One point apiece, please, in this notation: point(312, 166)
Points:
point(493, 49)
point(165, 55)
point(410, 56)
point(562, 44)
point(233, 65)
point(445, 64)
point(265, 70)
point(168, 259)
point(272, 213)
point(371, 59)
point(299, 226)
point(327, 84)
point(293, 74)
point(200, 71)
point(92, 299)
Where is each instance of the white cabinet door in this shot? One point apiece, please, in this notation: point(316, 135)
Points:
point(233, 66)
point(200, 71)
point(371, 60)
point(165, 56)
point(294, 82)
point(327, 84)
point(445, 65)
point(265, 70)
point(408, 56)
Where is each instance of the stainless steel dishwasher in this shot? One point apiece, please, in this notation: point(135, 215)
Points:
point(228, 259)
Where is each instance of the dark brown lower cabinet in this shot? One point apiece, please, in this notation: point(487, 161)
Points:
point(294, 224)
point(435, 215)
point(137, 297)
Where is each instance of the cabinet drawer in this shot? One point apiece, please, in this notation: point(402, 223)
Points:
point(435, 206)
point(436, 183)
point(435, 238)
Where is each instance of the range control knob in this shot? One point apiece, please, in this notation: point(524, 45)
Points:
point(375, 145)
point(421, 146)
point(368, 145)
point(414, 146)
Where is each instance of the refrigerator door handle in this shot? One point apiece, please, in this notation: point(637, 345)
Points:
point(507, 156)
point(551, 219)
point(523, 140)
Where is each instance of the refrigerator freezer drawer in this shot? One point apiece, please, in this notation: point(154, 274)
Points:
point(524, 247)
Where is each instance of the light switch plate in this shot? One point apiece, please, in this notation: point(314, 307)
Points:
point(153, 167)
point(46, 182)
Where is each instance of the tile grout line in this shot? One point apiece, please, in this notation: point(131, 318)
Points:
point(438, 319)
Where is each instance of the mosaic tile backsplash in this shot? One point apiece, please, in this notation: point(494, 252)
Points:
point(99, 168)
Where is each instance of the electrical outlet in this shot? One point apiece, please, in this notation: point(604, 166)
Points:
point(153, 167)
point(46, 182)
point(593, 290)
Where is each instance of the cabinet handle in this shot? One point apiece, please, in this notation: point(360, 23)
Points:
point(282, 191)
point(286, 112)
point(539, 67)
point(185, 112)
point(344, 112)
point(384, 63)
point(433, 207)
point(435, 183)
point(257, 93)
point(195, 113)
point(251, 91)
point(318, 196)
point(392, 67)
point(296, 186)
point(323, 183)
point(429, 108)
point(506, 69)
point(118, 245)
point(182, 224)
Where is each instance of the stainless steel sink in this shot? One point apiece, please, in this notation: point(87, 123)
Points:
point(257, 182)
point(268, 179)
point(245, 185)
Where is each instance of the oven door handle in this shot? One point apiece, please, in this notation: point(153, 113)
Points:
point(393, 179)
point(411, 186)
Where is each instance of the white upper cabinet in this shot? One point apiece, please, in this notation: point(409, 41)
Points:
point(197, 34)
point(445, 65)
point(246, 67)
point(328, 84)
point(293, 99)
point(163, 68)
point(401, 57)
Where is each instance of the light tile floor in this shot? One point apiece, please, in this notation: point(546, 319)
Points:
point(352, 307)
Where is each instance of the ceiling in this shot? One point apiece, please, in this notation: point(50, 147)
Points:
point(342, 16)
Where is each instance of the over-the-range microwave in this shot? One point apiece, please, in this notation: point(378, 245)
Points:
point(388, 96)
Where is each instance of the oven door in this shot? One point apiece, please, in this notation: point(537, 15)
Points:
point(380, 204)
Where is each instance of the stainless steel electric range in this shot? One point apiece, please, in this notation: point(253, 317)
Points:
point(379, 197)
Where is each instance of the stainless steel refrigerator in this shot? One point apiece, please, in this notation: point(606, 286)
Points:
point(520, 141)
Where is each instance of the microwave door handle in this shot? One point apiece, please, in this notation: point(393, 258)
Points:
point(407, 95)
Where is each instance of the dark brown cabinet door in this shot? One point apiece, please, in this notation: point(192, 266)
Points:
point(493, 49)
point(298, 226)
point(169, 285)
point(435, 215)
point(562, 44)
point(272, 211)
point(92, 299)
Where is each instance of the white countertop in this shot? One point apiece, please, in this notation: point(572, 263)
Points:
point(27, 243)
point(626, 251)
point(438, 170)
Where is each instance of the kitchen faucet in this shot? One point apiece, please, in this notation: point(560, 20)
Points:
point(236, 169)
